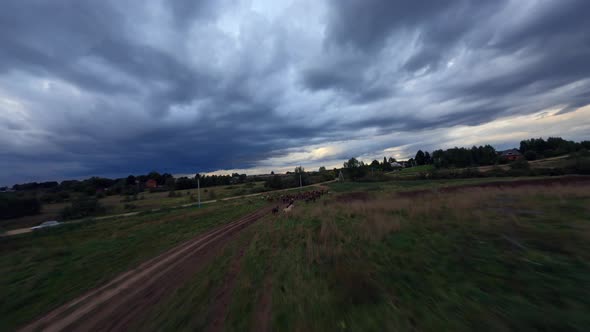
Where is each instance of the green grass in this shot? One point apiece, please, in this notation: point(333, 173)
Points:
point(146, 201)
point(441, 269)
point(41, 270)
point(512, 259)
point(417, 169)
point(406, 185)
point(494, 260)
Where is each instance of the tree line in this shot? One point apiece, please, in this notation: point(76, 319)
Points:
point(538, 148)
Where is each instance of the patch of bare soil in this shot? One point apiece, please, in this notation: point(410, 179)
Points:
point(125, 299)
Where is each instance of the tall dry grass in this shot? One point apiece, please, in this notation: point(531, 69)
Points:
point(388, 213)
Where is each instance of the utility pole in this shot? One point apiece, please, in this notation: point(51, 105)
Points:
point(300, 182)
point(199, 190)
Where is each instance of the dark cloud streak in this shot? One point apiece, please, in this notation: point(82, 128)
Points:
point(90, 88)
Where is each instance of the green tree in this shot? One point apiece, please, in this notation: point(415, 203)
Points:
point(420, 157)
point(427, 158)
point(170, 183)
point(530, 155)
point(352, 163)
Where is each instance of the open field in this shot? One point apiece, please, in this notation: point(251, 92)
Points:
point(460, 255)
point(493, 259)
point(118, 204)
point(547, 163)
point(41, 270)
point(411, 171)
point(411, 185)
point(554, 162)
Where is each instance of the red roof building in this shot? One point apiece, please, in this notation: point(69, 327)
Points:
point(151, 183)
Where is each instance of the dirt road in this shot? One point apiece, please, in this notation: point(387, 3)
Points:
point(122, 301)
point(131, 214)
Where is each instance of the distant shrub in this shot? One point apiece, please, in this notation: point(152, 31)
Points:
point(212, 194)
point(241, 192)
point(13, 207)
point(519, 164)
point(583, 165)
point(130, 206)
point(258, 190)
point(54, 197)
point(530, 155)
point(81, 208)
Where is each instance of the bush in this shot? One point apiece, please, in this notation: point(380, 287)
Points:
point(15, 207)
point(54, 197)
point(520, 164)
point(530, 155)
point(81, 208)
point(258, 190)
point(130, 207)
point(212, 194)
point(582, 166)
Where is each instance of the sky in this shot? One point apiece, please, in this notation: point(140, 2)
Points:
point(112, 88)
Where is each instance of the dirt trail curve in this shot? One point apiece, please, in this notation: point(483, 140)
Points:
point(120, 302)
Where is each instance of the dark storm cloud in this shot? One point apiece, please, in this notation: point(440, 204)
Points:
point(552, 45)
point(116, 87)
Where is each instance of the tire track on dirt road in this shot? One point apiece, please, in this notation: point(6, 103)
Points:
point(115, 305)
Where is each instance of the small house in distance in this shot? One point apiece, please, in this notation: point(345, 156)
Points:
point(151, 183)
point(395, 164)
point(511, 155)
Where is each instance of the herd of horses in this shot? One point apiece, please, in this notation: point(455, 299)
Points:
point(290, 199)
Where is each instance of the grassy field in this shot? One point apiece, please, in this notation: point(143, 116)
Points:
point(41, 270)
point(367, 257)
point(118, 204)
point(411, 171)
point(408, 185)
point(510, 259)
point(554, 162)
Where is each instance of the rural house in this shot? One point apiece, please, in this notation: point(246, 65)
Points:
point(151, 183)
point(512, 154)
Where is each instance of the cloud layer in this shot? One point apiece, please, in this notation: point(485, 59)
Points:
point(118, 87)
